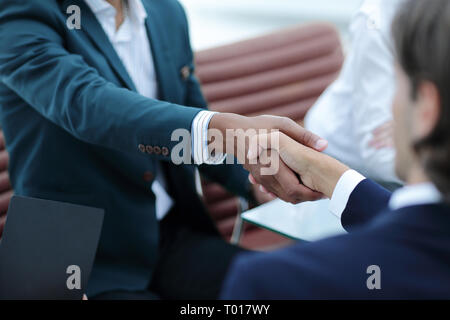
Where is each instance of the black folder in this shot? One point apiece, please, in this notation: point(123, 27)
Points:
point(47, 246)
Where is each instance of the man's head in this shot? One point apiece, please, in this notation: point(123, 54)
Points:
point(421, 106)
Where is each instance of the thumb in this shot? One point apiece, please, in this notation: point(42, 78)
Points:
point(305, 137)
point(262, 142)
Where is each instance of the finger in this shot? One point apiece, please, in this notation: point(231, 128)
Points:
point(305, 137)
point(382, 142)
point(276, 190)
point(378, 141)
point(306, 194)
point(252, 179)
point(269, 197)
point(383, 145)
point(263, 142)
point(383, 135)
point(263, 190)
point(384, 127)
point(255, 148)
point(262, 198)
point(269, 183)
point(286, 185)
point(293, 190)
point(270, 194)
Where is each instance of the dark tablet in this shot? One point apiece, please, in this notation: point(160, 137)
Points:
point(48, 249)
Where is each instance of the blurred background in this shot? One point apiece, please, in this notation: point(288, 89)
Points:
point(217, 22)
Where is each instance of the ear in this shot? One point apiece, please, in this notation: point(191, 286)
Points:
point(428, 109)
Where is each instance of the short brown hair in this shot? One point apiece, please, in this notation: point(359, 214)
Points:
point(421, 32)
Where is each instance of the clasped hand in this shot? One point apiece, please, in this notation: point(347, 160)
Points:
point(317, 171)
point(283, 182)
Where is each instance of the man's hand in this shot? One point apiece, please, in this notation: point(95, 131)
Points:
point(234, 124)
point(284, 184)
point(317, 171)
point(260, 194)
point(238, 131)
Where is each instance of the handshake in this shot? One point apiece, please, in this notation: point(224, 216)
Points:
point(283, 158)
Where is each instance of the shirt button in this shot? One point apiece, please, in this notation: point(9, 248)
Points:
point(157, 150)
point(141, 148)
point(148, 176)
point(165, 151)
point(149, 149)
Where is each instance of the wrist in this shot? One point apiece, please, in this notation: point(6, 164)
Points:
point(223, 122)
point(326, 173)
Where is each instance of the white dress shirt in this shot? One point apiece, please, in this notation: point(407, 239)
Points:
point(133, 47)
point(408, 196)
point(360, 100)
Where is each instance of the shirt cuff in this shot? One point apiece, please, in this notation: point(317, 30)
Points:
point(199, 133)
point(344, 188)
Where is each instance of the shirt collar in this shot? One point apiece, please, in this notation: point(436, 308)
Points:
point(136, 8)
point(415, 195)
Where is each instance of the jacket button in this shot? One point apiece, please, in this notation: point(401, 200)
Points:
point(185, 72)
point(148, 176)
point(157, 150)
point(149, 149)
point(141, 148)
point(165, 151)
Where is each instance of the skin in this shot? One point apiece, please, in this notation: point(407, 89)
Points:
point(414, 118)
point(284, 183)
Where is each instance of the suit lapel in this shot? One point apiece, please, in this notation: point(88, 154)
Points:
point(160, 52)
point(91, 26)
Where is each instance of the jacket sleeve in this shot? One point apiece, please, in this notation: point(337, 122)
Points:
point(367, 201)
point(64, 89)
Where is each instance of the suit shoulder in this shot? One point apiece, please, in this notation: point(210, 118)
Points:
point(37, 6)
point(46, 11)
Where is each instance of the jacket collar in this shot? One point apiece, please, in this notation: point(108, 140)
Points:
point(136, 8)
point(158, 43)
point(92, 28)
point(160, 50)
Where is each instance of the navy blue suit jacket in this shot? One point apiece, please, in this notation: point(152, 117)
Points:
point(73, 124)
point(411, 246)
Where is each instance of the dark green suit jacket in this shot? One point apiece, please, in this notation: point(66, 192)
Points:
point(73, 123)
